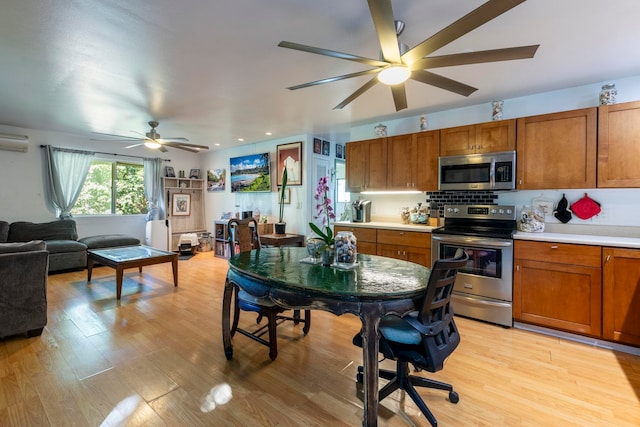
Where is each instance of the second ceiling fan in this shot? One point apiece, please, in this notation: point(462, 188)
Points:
point(398, 64)
point(153, 140)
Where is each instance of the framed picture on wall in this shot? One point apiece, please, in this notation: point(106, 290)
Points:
point(290, 156)
point(326, 148)
point(338, 151)
point(181, 204)
point(317, 146)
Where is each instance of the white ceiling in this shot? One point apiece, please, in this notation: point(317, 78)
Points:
point(211, 71)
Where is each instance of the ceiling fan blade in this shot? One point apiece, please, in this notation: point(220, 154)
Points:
point(163, 149)
point(181, 144)
point(332, 53)
point(124, 137)
point(134, 145)
point(182, 147)
point(383, 20)
point(368, 85)
point(469, 22)
point(494, 55)
point(442, 82)
point(399, 96)
point(176, 139)
point(334, 79)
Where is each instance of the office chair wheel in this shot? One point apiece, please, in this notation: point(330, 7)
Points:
point(453, 397)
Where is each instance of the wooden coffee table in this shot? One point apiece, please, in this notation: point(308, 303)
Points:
point(125, 257)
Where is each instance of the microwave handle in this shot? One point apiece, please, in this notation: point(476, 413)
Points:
point(492, 173)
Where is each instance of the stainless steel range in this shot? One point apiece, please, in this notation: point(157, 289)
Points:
point(484, 288)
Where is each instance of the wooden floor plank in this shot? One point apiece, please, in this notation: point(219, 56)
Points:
point(154, 357)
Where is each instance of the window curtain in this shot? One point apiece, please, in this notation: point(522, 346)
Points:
point(65, 176)
point(153, 188)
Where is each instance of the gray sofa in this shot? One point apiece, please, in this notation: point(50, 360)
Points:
point(66, 252)
point(23, 288)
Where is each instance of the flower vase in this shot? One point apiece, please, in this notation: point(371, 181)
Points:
point(315, 247)
point(327, 255)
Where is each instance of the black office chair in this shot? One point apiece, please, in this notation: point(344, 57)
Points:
point(243, 236)
point(424, 338)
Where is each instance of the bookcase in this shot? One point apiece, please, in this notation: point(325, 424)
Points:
point(185, 207)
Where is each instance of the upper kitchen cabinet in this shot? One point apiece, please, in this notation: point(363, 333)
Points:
point(618, 147)
point(486, 137)
point(557, 150)
point(366, 166)
point(413, 161)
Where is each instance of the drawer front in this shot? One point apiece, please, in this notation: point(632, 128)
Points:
point(362, 234)
point(558, 253)
point(405, 238)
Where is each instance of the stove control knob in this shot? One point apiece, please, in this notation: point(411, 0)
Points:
point(509, 211)
point(449, 210)
point(493, 211)
point(501, 211)
point(456, 210)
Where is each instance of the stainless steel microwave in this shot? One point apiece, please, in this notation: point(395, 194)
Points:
point(488, 171)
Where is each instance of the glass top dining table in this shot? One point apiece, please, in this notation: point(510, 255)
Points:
point(375, 287)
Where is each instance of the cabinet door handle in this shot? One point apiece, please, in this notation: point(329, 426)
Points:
point(401, 233)
point(554, 247)
point(520, 181)
point(517, 268)
point(608, 258)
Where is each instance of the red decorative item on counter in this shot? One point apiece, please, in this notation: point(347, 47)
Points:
point(586, 207)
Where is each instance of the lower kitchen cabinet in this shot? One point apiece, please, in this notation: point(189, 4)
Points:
point(621, 295)
point(366, 238)
point(558, 286)
point(413, 246)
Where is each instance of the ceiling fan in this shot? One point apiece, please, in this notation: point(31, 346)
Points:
point(153, 140)
point(398, 63)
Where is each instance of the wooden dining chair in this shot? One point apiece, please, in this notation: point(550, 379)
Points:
point(243, 236)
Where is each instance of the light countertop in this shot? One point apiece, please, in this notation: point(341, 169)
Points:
point(387, 225)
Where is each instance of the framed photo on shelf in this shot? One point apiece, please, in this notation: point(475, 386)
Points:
point(317, 146)
point(338, 151)
point(290, 156)
point(195, 174)
point(326, 148)
point(169, 172)
point(287, 196)
point(181, 204)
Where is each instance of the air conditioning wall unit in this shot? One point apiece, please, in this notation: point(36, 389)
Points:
point(14, 142)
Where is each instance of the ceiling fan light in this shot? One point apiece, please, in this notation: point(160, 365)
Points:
point(152, 144)
point(394, 74)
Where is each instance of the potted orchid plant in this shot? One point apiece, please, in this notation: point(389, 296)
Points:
point(325, 214)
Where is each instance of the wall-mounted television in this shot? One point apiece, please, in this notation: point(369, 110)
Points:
point(250, 173)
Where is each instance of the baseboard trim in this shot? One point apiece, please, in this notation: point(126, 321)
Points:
point(579, 338)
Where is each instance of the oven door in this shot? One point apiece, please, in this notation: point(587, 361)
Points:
point(489, 271)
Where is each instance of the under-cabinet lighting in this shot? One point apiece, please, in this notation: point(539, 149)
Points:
point(392, 192)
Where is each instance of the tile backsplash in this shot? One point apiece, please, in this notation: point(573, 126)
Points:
point(437, 199)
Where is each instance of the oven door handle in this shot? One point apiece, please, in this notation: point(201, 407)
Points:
point(488, 242)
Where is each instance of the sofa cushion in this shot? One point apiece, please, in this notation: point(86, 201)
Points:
point(109, 241)
point(4, 231)
point(23, 231)
point(64, 246)
point(34, 245)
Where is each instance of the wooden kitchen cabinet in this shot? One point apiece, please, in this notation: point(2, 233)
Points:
point(413, 161)
point(366, 165)
point(480, 138)
point(558, 285)
point(618, 147)
point(621, 295)
point(366, 237)
point(557, 150)
point(413, 246)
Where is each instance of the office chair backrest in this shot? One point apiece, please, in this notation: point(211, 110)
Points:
point(436, 313)
point(243, 235)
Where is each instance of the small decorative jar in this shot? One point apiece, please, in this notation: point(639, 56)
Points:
point(346, 248)
point(608, 94)
point(496, 110)
point(381, 130)
point(405, 215)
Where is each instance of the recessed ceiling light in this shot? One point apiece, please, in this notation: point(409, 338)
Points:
point(241, 139)
point(217, 144)
point(268, 133)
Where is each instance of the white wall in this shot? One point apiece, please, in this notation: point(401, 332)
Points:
point(22, 193)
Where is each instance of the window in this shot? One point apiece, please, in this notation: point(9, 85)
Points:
point(112, 188)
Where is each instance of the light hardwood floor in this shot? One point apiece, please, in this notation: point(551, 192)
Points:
point(152, 359)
